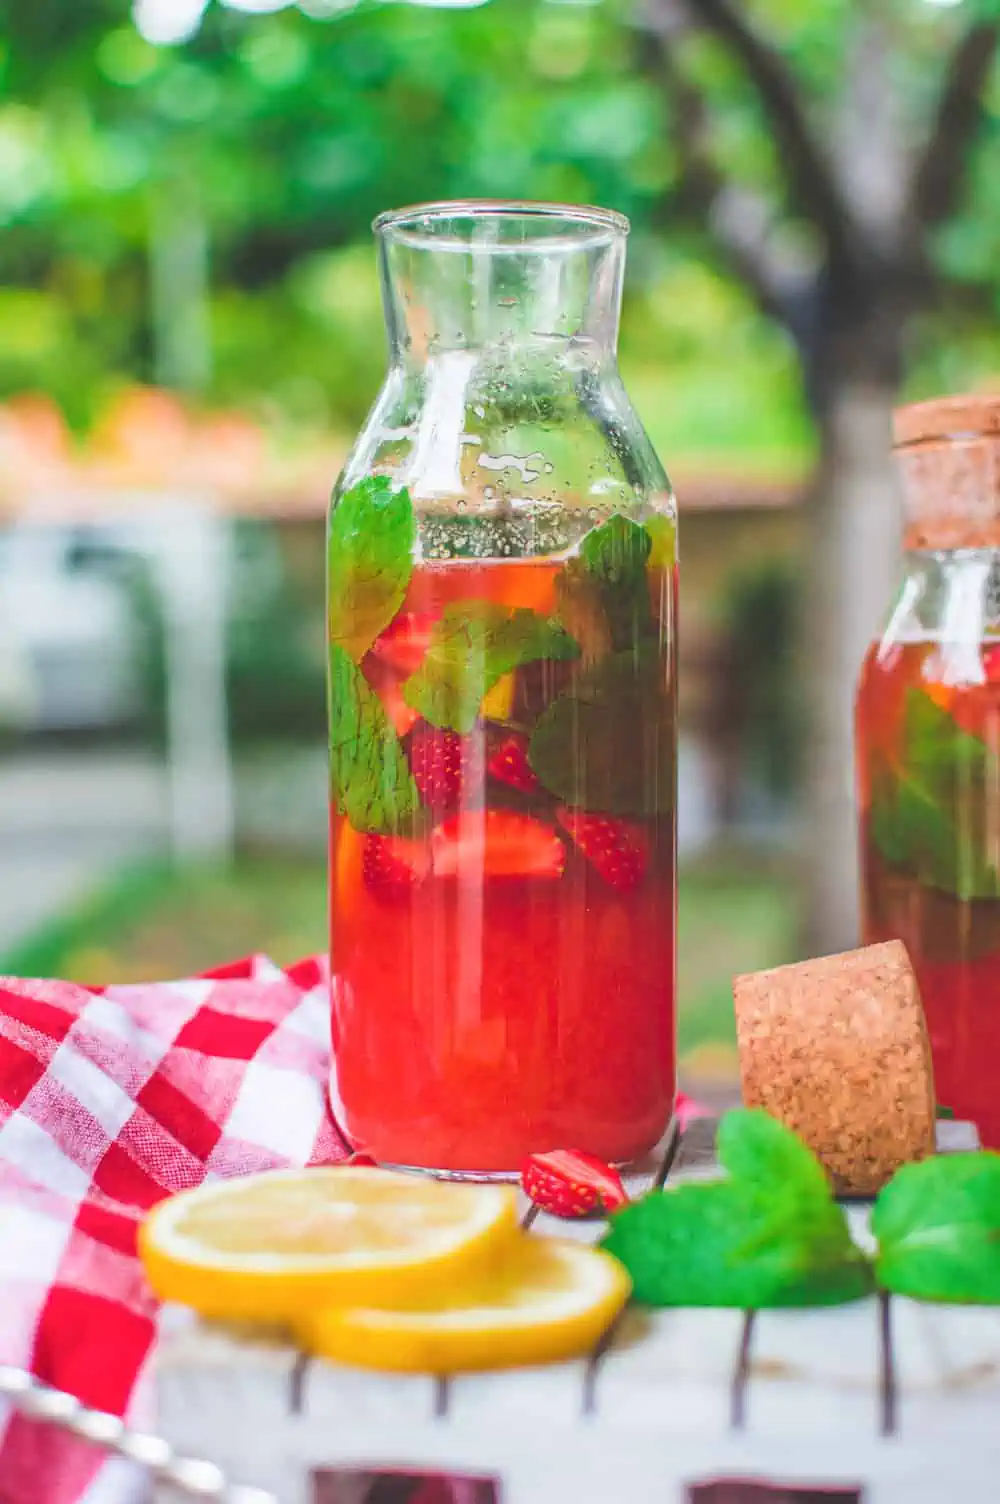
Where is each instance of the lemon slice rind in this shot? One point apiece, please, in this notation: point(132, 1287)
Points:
point(227, 1282)
point(563, 1315)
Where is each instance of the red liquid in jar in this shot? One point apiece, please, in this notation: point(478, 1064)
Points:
point(496, 991)
point(914, 700)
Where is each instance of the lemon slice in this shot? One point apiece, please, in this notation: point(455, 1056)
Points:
point(497, 702)
point(270, 1246)
point(547, 1299)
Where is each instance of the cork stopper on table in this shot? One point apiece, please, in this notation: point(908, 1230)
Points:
point(837, 1049)
point(948, 452)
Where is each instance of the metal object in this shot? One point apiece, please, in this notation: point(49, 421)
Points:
point(200, 1479)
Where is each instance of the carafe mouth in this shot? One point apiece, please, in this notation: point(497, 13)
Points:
point(508, 224)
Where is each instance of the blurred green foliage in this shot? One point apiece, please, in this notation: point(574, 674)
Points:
point(280, 137)
point(760, 615)
point(277, 137)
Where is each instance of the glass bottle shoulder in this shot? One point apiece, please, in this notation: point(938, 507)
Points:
point(531, 447)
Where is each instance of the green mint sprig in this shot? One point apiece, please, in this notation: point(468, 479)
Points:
point(926, 813)
point(614, 557)
point(369, 775)
point(607, 742)
point(769, 1235)
point(370, 560)
point(938, 1229)
point(473, 644)
point(603, 593)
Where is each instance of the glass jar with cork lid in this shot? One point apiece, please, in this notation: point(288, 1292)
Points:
point(928, 747)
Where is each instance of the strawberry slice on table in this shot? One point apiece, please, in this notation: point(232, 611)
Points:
point(446, 767)
point(404, 643)
point(496, 843)
point(618, 849)
point(392, 866)
point(569, 1183)
point(509, 764)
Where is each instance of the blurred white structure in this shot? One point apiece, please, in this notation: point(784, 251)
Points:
point(68, 659)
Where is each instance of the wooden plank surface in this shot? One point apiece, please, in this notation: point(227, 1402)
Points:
point(677, 1391)
point(946, 1369)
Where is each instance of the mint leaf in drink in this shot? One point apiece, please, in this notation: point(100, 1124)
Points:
point(770, 1234)
point(616, 552)
point(370, 559)
point(614, 558)
point(926, 814)
point(369, 775)
point(607, 743)
point(938, 1229)
point(581, 609)
point(913, 828)
point(473, 644)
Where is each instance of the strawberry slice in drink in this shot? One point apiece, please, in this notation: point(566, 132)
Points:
point(496, 843)
point(447, 768)
point(388, 687)
point(392, 866)
point(404, 643)
point(618, 849)
point(509, 764)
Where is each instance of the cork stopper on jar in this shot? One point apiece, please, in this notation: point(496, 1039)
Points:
point(837, 1049)
point(948, 451)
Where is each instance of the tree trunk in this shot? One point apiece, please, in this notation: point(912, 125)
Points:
point(854, 529)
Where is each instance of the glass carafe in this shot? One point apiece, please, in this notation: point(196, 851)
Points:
point(502, 637)
point(928, 740)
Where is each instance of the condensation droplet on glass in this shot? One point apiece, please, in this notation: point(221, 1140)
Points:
point(593, 513)
point(460, 505)
point(549, 467)
point(489, 492)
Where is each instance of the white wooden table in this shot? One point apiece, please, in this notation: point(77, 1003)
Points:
point(884, 1400)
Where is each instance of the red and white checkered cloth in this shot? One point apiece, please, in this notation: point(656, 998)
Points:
point(110, 1099)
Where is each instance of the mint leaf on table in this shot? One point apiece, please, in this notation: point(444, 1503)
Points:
point(926, 813)
point(370, 777)
point(607, 742)
point(473, 644)
point(370, 559)
point(938, 1229)
point(770, 1234)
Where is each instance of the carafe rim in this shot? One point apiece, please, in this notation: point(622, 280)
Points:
point(418, 224)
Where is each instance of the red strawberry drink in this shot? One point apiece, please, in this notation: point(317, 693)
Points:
point(502, 856)
point(928, 736)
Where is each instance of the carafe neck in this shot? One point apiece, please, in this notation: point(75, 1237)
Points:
point(500, 279)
